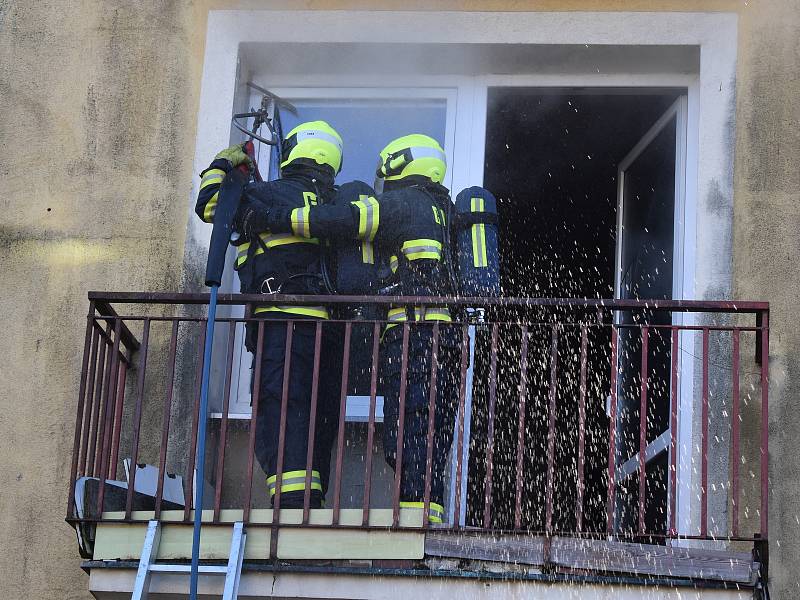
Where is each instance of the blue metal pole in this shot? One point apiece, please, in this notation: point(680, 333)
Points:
point(201, 443)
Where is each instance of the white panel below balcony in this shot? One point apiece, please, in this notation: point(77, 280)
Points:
point(114, 583)
point(122, 541)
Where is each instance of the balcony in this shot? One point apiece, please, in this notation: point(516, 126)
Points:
point(604, 442)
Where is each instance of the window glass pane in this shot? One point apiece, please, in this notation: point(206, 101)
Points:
point(366, 126)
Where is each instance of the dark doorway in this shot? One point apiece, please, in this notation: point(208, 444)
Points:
point(552, 158)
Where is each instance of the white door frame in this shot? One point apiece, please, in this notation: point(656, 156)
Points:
point(679, 110)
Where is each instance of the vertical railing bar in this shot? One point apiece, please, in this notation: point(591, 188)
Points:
point(276, 500)
point(251, 444)
point(426, 496)
point(223, 426)
point(551, 430)
point(88, 341)
point(643, 381)
point(735, 454)
point(188, 480)
point(462, 393)
point(312, 424)
point(108, 417)
point(704, 442)
point(612, 435)
point(102, 417)
point(759, 325)
point(162, 459)
point(89, 404)
point(373, 398)
point(401, 417)
point(98, 396)
point(487, 488)
point(522, 404)
point(118, 409)
point(581, 428)
point(137, 417)
point(764, 423)
point(337, 481)
point(673, 471)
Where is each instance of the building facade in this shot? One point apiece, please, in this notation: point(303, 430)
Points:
point(112, 109)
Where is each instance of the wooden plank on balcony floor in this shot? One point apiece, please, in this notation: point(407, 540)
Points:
point(648, 559)
point(528, 550)
point(602, 556)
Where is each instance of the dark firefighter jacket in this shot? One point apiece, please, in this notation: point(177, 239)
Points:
point(274, 260)
point(407, 224)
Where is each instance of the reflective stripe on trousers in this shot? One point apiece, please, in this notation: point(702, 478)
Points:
point(435, 313)
point(435, 510)
point(293, 481)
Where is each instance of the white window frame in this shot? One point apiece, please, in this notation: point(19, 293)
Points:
point(706, 268)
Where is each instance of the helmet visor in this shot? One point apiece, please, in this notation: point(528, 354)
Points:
point(395, 162)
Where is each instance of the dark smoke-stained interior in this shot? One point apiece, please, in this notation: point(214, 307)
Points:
point(551, 160)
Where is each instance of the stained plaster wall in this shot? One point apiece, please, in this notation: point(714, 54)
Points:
point(96, 117)
point(99, 113)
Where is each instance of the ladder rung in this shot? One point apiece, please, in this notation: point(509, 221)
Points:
point(208, 569)
point(147, 564)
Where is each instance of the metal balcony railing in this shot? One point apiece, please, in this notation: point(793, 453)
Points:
point(583, 417)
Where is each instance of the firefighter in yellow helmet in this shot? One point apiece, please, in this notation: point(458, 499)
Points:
point(408, 224)
point(269, 262)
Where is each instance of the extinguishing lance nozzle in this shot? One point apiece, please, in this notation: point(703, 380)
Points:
point(261, 117)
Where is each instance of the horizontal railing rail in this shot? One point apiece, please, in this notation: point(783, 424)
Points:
point(583, 416)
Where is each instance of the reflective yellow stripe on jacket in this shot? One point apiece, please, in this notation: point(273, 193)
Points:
point(422, 248)
point(300, 222)
point(316, 312)
point(271, 240)
point(369, 216)
point(211, 177)
point(293, 481)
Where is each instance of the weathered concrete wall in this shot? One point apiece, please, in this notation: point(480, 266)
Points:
point(97, 115)
point(96, 138)
point(767, 247)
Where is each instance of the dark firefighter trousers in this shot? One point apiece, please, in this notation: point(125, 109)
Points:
point(298, 406)
point(417, 399)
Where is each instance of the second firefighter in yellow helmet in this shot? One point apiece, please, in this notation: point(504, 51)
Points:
point(415, 155)
point(408, 225)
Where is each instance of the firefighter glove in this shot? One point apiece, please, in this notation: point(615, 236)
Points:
point(236, 156)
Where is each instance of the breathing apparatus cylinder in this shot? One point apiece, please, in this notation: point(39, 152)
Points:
point(356, 261)
point(477, 243)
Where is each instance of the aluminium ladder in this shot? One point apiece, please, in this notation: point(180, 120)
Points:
point(147, 564)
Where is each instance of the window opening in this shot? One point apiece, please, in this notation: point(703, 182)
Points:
point(552, 158)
